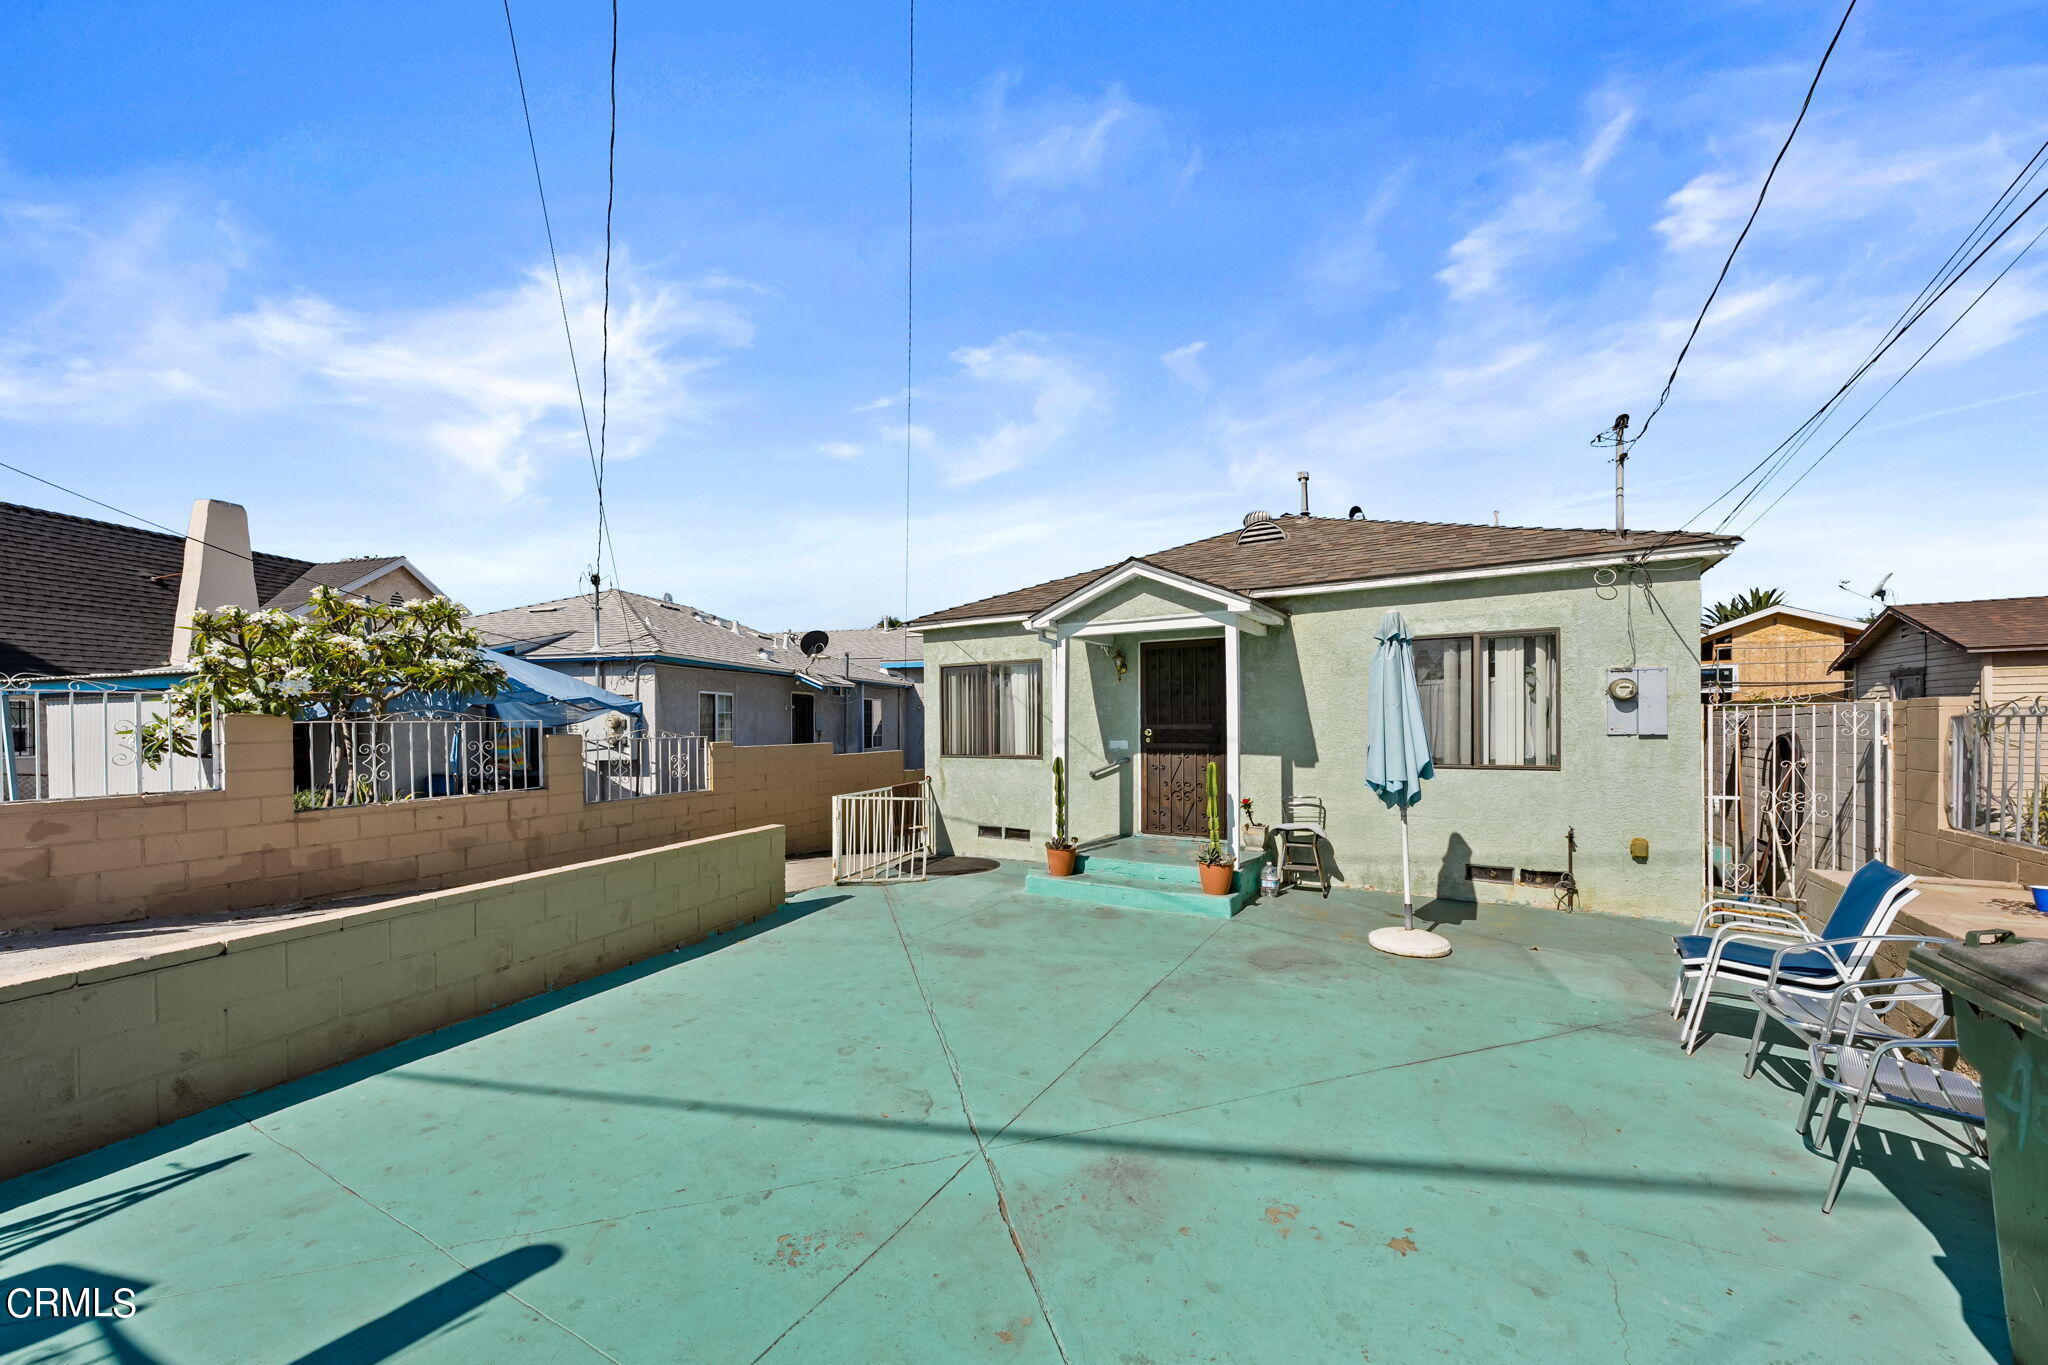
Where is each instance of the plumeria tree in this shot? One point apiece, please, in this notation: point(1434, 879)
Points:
point(345, 656)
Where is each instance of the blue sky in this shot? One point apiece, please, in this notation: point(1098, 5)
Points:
point(1167, 255)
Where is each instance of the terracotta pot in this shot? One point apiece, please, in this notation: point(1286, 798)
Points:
point(1218, 879)
point(1060, 861)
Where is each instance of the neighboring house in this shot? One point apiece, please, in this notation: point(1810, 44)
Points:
point(698, 673)
point(79, 596)
point(899, 653)
point(1250, 649)
point(92, 630)
point(1994, 651)
point(1774, 654)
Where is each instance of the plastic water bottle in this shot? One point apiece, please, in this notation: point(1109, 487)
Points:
point(1269, 881)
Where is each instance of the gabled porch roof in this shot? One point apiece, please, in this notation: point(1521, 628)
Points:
point(1069, 615)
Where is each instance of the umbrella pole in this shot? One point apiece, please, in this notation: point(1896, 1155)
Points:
point(1407, 885)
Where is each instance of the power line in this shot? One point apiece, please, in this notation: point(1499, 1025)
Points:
point(604, 392)
point(548, 226)
point(2017, 257)
point(1743, 236)
point(1759, 475)
point(909, 290)
point(1780, 455)
point(151, 521)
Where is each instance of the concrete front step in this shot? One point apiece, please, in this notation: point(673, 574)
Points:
point(1136, 869)
point(1099, 887)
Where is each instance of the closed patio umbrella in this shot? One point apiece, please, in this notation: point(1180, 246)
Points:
point(1397, 762)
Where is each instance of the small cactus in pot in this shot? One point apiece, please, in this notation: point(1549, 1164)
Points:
point(1060, 854)
point(1219, 871)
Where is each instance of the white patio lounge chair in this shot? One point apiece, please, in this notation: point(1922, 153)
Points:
point(1807, 1013)
point(1866, 1071)
point(1740, 941)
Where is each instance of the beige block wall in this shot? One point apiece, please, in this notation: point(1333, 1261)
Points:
point(1923, 841)
point(88, 1058)
point(108, 859)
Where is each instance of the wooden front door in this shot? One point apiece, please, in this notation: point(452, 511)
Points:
point(1182, 719)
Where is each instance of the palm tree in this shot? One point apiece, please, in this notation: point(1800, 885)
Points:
point(888, 623)
point(1741, 605)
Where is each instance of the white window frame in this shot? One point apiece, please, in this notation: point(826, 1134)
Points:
point(713, 733)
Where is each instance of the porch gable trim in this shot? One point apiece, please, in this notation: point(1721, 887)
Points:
point(1131, 569)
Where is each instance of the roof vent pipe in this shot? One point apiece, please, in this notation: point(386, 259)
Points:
point(1303, 478)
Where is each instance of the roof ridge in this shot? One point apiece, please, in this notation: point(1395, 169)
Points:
point(1970, 601)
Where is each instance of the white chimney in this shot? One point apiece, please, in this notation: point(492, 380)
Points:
point(218, 571)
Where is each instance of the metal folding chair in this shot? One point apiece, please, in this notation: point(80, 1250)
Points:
point(1298, 839)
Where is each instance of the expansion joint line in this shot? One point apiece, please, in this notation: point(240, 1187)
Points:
point(452, 1258)
point(995, 1177)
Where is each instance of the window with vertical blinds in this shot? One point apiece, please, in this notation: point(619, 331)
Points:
point(989, 710)
point(1490, 701)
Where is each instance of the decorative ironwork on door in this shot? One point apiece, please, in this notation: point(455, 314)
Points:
point(1183, 733)
point(1794, 786)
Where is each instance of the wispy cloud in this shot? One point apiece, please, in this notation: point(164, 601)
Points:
point(1037, 398)
point(1555, 202)
point(1060, 140)
point(150, 313)
point(1185, 364)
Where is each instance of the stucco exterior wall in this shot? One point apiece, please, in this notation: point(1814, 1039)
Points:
point(1304, 734)
point(760, 702)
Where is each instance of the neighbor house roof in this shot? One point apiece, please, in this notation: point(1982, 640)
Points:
point(1797, 613)
point(343, 575)
point(1320, 551)
point(1997, 623)
point(877, 646)
point(639, 627)
point(85, 596)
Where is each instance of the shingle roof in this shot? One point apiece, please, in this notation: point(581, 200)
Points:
point(636, 626)
point(1320, 550)
point(1991, 623)
point(876, 646)
point(335, 574)
point(85, 596)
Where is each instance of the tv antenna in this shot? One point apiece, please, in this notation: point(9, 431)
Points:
point(1881, 594)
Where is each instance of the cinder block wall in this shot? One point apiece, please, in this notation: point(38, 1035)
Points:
point(91, 1057)
point(106, 859)
point(1923, 841)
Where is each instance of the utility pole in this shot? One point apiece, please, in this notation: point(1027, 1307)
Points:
point(1617, 436)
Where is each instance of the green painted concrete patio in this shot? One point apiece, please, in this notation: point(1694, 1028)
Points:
point(948, 1122)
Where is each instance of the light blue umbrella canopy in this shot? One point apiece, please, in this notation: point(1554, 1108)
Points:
point(530, 693)
point(533, 692)
point(1397, 760)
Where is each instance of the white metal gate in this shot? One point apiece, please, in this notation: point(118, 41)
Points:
point(883, 834)
point(1792, 786)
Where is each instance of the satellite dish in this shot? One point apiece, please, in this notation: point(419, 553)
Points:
point(814, 642)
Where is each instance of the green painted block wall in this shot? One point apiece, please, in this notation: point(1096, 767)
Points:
point(1304, 734)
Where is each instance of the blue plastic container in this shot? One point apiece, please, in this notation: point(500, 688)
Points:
point(2040, 898)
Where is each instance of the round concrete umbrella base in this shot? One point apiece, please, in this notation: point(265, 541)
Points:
point(1409, 942)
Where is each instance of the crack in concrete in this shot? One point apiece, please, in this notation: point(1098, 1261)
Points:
point(840, 1283)
point(967, 1109)
point(451, 1257)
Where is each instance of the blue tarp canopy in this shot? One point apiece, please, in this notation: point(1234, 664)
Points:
point(535, 693)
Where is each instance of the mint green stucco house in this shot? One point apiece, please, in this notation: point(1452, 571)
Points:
point(1251, 649)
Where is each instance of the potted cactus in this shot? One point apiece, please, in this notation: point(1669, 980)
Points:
point(1219, 873)
point(1059, 850)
